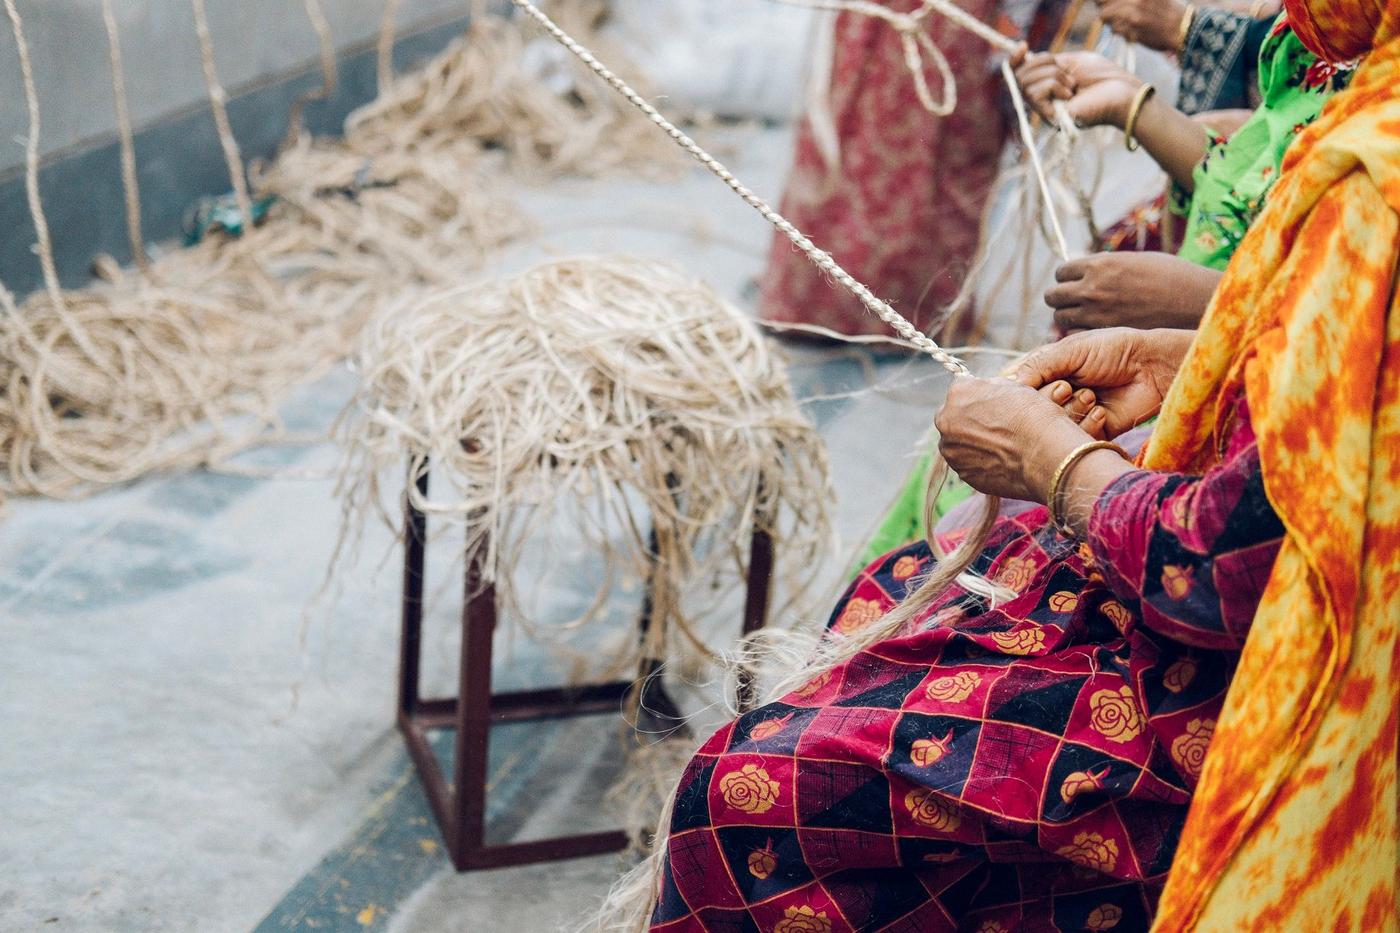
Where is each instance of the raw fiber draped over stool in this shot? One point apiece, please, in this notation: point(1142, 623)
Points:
point(617, 382)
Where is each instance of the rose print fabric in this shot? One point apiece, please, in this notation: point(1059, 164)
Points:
point(1023, 766)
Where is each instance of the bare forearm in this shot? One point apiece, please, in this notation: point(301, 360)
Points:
point(1174, 140)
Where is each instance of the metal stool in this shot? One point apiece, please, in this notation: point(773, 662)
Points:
point(460, 807)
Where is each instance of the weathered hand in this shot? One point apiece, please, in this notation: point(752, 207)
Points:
point(1153, 23)
point(1094, 89)
point(1005, 438)
point(1128, 370)
point(1130, 290)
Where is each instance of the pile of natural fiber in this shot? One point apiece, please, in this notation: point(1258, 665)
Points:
point(616, 382)
point(184, 362)
point(502, 87)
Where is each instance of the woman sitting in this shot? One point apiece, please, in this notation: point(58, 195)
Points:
point(959, 758)
point(1219, 185)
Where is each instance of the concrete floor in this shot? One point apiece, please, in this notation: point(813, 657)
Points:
point(175, 757)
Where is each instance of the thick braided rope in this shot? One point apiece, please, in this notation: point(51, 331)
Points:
point(822, 259)
point(131, 191)
point(218, 103)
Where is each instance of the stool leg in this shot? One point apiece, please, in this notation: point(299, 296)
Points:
point(757, 595)
point(473, 737)
point(657, 714)
point(411, 618)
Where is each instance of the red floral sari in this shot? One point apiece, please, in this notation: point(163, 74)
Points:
point(901, 207)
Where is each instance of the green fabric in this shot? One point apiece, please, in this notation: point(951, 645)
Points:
point(1230, 186)
point(904, 520)
point(1233, 180)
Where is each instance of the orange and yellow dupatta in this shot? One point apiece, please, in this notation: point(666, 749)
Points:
point(1294, 824)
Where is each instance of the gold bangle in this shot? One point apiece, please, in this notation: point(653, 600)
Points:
point(1256, 9)
point(1134, 111)
point(1188, 19)
point(1052, 498)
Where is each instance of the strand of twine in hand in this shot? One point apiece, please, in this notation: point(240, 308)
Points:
point(821, 258)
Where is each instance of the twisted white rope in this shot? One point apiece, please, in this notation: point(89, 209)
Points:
point(822, 259)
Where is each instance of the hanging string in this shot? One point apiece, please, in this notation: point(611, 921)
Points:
point(218, 103)
point(822, 259)
point(330, 78)
point(31, 154)
point(1028, 139)
point(31, 190)
point(385, 71)
point(131, 191)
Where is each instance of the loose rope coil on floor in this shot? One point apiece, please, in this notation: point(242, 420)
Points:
point(185, 363)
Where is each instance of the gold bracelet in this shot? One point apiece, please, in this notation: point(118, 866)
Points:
point(1134, 111)
point(1052, 498)
point(1256, 9)
point(1188, 19)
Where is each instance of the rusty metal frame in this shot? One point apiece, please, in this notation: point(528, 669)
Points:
point(460, 806)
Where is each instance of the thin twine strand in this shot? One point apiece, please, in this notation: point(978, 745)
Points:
point(131, 191)
point(385, 64)
point(31, 154)
point(218, 103)
point(330, 77)
point(822, 259)
point(31, 190)
point(1028, 138)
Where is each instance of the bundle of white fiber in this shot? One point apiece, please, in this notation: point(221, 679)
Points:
point(614, 382)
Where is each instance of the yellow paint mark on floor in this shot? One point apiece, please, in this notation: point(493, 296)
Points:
point(367, 916)
point(429, 846)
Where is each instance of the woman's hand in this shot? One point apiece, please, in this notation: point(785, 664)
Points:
point(1130, 290)
point(1005, 438)
point(1094, 89)
point(1128, 370)
point(1153, 23)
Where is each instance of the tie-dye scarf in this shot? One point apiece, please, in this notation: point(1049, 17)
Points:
point(1294, 823)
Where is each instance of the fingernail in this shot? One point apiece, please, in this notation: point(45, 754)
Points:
point(1060, 392)
point(1086, 396)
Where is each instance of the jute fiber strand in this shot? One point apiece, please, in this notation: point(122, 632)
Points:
point(615, 382)
point(185, 362)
